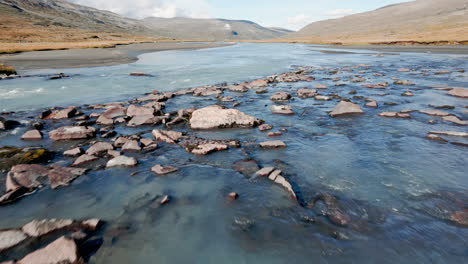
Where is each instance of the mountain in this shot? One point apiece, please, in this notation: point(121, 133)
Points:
point(210, 29)
point(62, 21)
point(420, 20)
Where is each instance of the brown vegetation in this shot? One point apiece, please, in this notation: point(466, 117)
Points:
point(7, 70)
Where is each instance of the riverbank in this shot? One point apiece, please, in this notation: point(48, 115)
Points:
point(93, 57)
point(446, 49)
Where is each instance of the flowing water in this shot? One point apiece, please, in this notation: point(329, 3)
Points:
point(398, 188)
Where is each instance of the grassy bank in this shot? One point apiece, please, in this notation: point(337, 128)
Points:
point(7, 70)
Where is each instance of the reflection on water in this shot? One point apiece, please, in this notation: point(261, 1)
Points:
point(396, 189)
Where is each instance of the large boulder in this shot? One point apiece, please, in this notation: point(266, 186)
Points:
point(346, 108)
point(459, 92)
point(72, 133)
point(62, 250)
point(213, 117)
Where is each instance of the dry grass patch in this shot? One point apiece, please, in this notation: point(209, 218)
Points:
point(7, 70)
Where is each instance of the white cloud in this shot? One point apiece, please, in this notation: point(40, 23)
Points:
point(159, 8)
point(298, 21)
point(340, 12)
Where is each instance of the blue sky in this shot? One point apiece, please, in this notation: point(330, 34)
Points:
point(292, 14)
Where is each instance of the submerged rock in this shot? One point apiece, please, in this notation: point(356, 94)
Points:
point(395, 115)
point(434, 112)
point(62, 176)
point(280, 96)
point(72, 133)
point(450, 133)
point(346, 108)
point(207, 91)
point(246, 167)
point(264, 127)
point(455, 120)
point(372, 103)
point(320, 86)
point(160, 170)
point(25, 175)
point(213, 117)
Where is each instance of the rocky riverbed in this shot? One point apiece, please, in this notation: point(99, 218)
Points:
point(323, 162)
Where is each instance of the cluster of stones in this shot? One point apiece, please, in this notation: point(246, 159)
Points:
point(66, 249)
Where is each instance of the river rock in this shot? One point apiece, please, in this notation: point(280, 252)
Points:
point(72, 133)
point(84, 159)
point(141, 120)
point(258, 84)
point(280, 96)
point(160, 170)
point(32, 135)
point(306, 93)
point(434, 112)
point(459, 92)
point(264, 127)
point(25, 175)
point(372, 103)
point(99, 148)
point(322, 98)
point(115, 111)
point(167, 136)
point(134, 110)
point(74, 152)
point(62, 176)
point(395, 115)
point(346, 108)
point(105, 121)
point(407, 93)
point(265, 172)
point(450, 133)
point(282, 109)
point(62, 114)
point(122, 161)
point(285, 184)
point(239, 88)
point(204, 149)
point(320, 86)
point(272, 144)
point(61, 251)
point(246, 167)
point(207, 91)
point(213, 117)
point(455, 120)
point(37, 228)
point(11, 238)
point(403, 82)
point(131, 145)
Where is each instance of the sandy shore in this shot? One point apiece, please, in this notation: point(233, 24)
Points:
point(391, 48)
point(76, 58)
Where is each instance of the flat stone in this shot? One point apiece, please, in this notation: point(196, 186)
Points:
point(322, 98)
point(258, 84)
point(395, 115)
point(214, 117)
point(62, 250)
point(62, 114)
point(455, 120)
point(320, 86)
point(103, 120)
point(372, 104)
point(434, 112)
point(403, 82)
point(134, 110)
point(273, 144)
point(72, 133)
point(131, 145)
point(84, 159)
point(346, 108)
point(141, 120)
point(207, 91)
point(450, 133)
point(99, 148)
point(280, 180)
point(73, 152)
point(120, 141)
point(282, 109)
point(167, 136)
point(25, 175)
point(32, 135)
point(11, 238)
point(62, 176)
point(274, 174)
point(407, 93)
point(122, 161)
point(37, 228)
point(459, 92)
point(207, 148)
point(160, 170)
point(240, 88)
point(115, 111)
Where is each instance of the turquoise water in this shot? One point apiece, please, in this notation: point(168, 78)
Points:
point(397, 187)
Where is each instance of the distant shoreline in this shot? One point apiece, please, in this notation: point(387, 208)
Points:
point(445, 49)
point(94, 57)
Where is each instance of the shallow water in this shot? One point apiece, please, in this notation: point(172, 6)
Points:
point(394, 183)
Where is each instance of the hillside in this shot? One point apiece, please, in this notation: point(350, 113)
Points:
point(211, 29)
point(420, 20)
